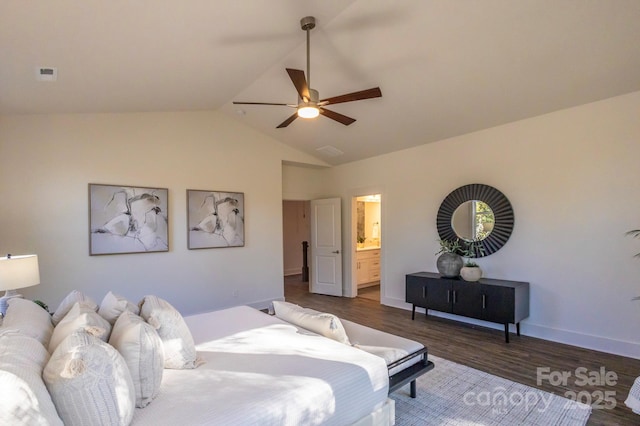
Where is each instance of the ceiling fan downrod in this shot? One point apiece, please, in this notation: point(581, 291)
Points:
point(307, 24)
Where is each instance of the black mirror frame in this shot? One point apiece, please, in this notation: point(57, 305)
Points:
point(499, 204)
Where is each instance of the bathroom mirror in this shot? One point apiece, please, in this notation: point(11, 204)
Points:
point(478, 213)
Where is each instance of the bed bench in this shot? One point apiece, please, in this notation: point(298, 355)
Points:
point(406, 359)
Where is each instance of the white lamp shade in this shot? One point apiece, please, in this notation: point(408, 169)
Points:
point(19, 272)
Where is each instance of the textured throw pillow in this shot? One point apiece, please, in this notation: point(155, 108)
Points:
point(113, 305)
point(89, 382)
point(327, 325)
point(179, 348)
point(141, 348)
point(80, 317)
point(28, 318)
point(25, 399)
point(68, 302)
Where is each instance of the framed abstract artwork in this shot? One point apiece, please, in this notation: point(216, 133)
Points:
point(214, 219)
point(127, 219)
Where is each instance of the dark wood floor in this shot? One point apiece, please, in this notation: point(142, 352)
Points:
point(484, 349)
point(371, 293)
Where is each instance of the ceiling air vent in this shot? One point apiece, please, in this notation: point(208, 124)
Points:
point(46, 73)
point(330, 151)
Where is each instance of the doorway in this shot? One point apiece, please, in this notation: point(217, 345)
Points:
point(312, 242)
point(368, 230)
point(296, 228)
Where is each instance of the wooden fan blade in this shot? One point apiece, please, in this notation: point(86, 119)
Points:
point(298, 79)
point(258, 103)
point(355, 96)
point(336, 116)
point(288, 121)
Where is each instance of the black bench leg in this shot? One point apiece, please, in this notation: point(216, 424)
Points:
point(518, 328)
point(413, 313)
point(506, 333)
point(413, 391)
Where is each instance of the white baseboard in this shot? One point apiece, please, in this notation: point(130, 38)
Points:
point(587, 341)
point(293, 271)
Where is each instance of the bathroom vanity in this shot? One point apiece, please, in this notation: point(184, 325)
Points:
point(368, 266)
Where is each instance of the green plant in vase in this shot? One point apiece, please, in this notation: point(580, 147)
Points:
point(449, 246)
point(471, 270)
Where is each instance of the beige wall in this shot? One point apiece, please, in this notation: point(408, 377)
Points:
point(46, 162)
point(574, 182)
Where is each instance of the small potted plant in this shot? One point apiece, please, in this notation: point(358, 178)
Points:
point(361, 239)
point(471, 270)
point(449, 262)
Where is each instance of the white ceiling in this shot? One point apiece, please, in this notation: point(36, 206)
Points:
point(445, 67)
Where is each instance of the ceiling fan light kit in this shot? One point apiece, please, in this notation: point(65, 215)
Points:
point(308, 112)
point(309, 104)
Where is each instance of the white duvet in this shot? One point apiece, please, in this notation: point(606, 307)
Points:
point(259, 370)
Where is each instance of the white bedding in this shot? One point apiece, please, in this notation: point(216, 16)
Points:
point(261, 370)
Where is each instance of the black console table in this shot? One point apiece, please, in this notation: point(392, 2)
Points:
point(490, 300)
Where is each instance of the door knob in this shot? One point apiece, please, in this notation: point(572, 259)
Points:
point(336, 252)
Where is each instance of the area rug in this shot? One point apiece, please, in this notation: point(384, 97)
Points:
point(453, 394)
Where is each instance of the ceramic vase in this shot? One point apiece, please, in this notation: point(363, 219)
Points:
point(471, 273)
point(449, 265)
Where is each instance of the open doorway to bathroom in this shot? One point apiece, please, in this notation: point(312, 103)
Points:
point(368, 245)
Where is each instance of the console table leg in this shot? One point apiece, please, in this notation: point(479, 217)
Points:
point(506, 333)
point(518, 328)
point(413, 392)
point(413, 313)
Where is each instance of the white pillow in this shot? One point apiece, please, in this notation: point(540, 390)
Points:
point(113, 305)
point(29, 319)
point(89, 382)
point(25, 399)
point(141, 348)
point(68, 302)
point(80, 316)
point(327, 325)
point(179, 348)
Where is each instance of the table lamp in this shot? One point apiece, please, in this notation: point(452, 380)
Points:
point(17, 272)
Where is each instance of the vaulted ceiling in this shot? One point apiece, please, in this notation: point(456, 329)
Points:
point(445, 68)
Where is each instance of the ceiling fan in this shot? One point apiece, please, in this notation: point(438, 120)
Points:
point(310, 105)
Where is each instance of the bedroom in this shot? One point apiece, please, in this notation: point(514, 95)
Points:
point(555, 168)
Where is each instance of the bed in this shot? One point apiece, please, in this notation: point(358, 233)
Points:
point(237, 366)
point(258, 369)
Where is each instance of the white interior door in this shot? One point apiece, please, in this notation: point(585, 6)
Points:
point(326, 247)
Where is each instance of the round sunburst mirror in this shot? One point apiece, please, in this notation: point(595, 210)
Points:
point(477, 214)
